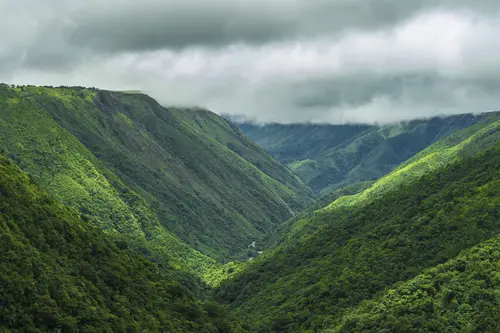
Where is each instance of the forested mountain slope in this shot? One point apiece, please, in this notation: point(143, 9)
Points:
point(329, 157)
point(458, 296)
point(114, 209)
point(299, 142)
point(465, 143)
point(460, 144)
point(356, 254)
point(129, 165)
point(61, 274)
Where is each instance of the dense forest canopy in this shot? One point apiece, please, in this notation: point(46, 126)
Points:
point(120, 215)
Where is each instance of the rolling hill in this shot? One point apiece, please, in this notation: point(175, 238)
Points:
point(460, 144)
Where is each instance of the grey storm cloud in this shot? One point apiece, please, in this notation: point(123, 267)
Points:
point(269, 60)
point(70, 28)
point(367, 99)
point(427, 93)
point(149, 25)
point(136, 26)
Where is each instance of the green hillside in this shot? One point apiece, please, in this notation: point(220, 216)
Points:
point(62, 166)
point(120, 215)
point(356, 254)
point(60, 274)
point(467, 142)
point(300, 142)
point(463, 143)
point(157, 175)
point(458, 296)
point(330, 157)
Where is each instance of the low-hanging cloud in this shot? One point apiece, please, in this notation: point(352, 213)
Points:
point(287, 61)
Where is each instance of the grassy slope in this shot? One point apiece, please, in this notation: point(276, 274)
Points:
point(329, 157)
point(300, 142)
point(235, 139)
point(460, 144)
point(61, 274)
point(62, 166)
point(131, 166)
point(355, 255)
point(201, 190)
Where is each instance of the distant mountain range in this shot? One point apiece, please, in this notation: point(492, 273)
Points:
point(330, 157)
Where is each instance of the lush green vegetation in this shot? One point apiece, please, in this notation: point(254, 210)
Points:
point(467, 142)
point(61, 274)
point(463, 143)
point(330, 157)
point(189, 166)
point(458, 296)
point(300, 142)
point(120, 215)
point(176, 182)
point(66, 169)
point(355, 255)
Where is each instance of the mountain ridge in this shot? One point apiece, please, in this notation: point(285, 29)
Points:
point(329, 157)
point(150, 218)
point(309, 282)
point(112, 157)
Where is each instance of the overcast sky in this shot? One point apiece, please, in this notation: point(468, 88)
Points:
point(287, 61)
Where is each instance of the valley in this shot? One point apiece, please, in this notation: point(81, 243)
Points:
point(121, 215)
